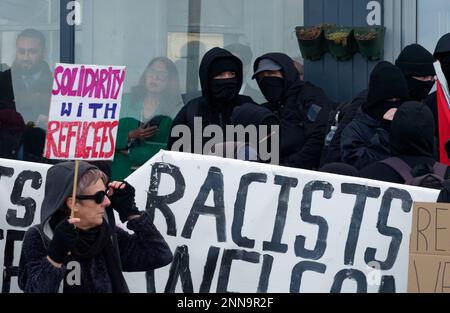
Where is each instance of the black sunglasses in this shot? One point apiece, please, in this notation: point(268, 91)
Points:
point(98, 197)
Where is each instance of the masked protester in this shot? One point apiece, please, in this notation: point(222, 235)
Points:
point(366, 139)
point(416, 63)
point(91, 238)
point(301, 108)
point(411, 143)
point(221, 79)
point(441, 54)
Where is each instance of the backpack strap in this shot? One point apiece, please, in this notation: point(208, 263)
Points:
point(440, 169)
point(400, 166)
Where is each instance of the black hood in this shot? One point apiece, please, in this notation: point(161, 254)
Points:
point(208, 59)
point(443, 46)
point(412, 130)
point(253, 114)
point(290, 73)
point(386, 82)
point(58, 187)
point(415, 60)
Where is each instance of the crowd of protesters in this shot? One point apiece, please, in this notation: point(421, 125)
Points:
point(388, 129)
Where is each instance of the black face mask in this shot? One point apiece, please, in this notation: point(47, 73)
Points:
point(272, 88)
point(419, 90)
point(446, 69)
point(378, 110)
point(223, 90)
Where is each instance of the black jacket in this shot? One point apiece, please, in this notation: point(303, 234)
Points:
point(346, 114)
point(203, 106)
point(303, 113)
point(30, 101)
point(364, 141)
point(412, 140)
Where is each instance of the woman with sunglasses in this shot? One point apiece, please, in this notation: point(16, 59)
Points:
point(88, 252)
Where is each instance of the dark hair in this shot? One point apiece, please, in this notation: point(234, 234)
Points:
point(32, 33)
point(171, 96)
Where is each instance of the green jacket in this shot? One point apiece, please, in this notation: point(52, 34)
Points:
point(140, 151)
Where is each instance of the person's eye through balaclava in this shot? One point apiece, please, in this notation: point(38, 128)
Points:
point(418, 90)
point(223, 89)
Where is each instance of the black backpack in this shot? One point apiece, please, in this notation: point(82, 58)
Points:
point(434, 179)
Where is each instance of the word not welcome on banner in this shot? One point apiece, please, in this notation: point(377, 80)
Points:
point(84, 112)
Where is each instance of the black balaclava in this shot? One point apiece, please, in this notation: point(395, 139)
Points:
point(223, 90)
point(442, 53)
point(415, 60)
point(272, 88)
point(412, 130)
point(386, 82)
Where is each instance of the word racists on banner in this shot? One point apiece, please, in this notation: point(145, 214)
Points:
point(246, 227)
point(84, 112)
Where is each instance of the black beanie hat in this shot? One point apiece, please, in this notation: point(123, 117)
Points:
point(386, 82)
point(415, 60)
point(221, 65)
point(443, 46)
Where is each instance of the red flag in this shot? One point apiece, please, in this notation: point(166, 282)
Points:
point(444, 123)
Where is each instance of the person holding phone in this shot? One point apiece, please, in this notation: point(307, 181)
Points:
point(146, 117)
point(87, 253)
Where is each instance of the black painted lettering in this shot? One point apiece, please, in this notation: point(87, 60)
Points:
point(265, 274)
point(362, 193)
point(275, 244)
point(387, 284)
point(305, 214)
point(214, 183)
point(239, 209)
point(225, 267)
point(155, 201)
point(9, 270)
point(210, 268)
point(28, 203)
point(299, 269)
point(180, 268)
point(394, 233)
point(341, 276)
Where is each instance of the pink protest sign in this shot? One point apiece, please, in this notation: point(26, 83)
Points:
point(84, 112)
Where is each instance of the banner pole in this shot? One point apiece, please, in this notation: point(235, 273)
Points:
point(74, 191)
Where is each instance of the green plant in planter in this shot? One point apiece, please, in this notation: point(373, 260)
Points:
point(370, 41)
point(341, 42)
point(311, 41)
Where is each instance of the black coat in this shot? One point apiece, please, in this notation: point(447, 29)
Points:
point(303, 115)
point(364, 141)
point(347, 113)
point(203, 106)
point(412, 140)
point(30, 101)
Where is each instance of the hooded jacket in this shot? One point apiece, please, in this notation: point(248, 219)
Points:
point(411, 139)
point(365, 140)
point(303, 112)
point(145, 250)
point(205, 106)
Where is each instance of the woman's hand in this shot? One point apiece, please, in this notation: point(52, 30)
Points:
point(121, 195)
point(142, 132)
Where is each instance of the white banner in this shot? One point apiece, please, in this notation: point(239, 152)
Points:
point(247, 227)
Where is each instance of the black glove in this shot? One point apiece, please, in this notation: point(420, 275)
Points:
point(123, 202)
point(64, 239)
